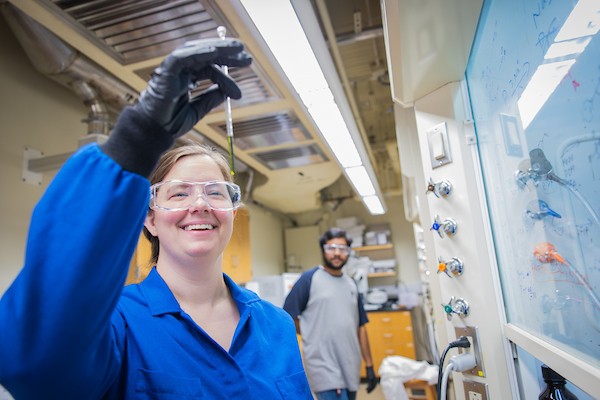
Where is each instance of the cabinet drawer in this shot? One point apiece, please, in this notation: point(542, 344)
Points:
point(397, 349)
point(390, 336)
point(385, 318)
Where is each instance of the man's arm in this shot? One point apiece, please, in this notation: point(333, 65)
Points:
point(365, 349)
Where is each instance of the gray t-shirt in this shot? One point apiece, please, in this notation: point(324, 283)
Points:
point(330, 311)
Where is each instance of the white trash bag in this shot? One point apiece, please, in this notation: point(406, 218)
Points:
point(395, 370)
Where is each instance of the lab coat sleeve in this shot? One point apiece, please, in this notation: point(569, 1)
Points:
point(56, 338)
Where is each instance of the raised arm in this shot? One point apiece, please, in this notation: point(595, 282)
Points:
point(56, 340)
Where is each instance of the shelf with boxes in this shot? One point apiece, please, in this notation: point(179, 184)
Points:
point(382, 259)
point(372, 246)
point(373, 251)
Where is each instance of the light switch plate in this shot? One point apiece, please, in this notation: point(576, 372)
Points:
point(439, 146)
point(475, 390)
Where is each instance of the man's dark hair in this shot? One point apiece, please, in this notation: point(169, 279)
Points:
point(332, 234)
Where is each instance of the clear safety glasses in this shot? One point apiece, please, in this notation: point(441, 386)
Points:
point(179, 195)
point(331, 249)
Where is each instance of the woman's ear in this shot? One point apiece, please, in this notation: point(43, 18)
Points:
point(149, 224)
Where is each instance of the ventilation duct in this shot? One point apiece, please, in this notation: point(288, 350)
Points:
point(59, 61)
point(99, 90)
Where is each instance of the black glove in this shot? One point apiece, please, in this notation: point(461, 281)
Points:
point(166, 99)
point(371, 379)
point(164, 111)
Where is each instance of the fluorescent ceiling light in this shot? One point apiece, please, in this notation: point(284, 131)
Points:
point(542, 84)
point(283, 35)
point(286, 39)
point(280, 27)
point(360, 180)
point(328, 118)
point(374, 205)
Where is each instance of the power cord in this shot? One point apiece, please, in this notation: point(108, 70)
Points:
point(460, 342)
point(459, 363)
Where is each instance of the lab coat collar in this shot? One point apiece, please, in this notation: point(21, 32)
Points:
point(161, 300)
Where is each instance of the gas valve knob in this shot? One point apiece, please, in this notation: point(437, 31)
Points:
point(448, 227)
point(458, 307)
point(439, 189)
point(454, 266)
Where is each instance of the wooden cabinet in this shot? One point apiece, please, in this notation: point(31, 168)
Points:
point(237, 262)
point(377, 252)
point(390, 334)
point(140, 265)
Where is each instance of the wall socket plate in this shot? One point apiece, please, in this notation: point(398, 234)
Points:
point(472, 333)
point(475, 390)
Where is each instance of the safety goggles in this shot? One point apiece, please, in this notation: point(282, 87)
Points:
point(180, 195)
point(332, 248)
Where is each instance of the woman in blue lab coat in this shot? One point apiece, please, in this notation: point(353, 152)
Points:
point(68, 328)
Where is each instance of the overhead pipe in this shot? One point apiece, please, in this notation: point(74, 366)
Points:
point(97, 88)
point(98, 120)
point(61, 62)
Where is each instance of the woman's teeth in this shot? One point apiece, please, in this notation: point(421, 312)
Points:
point(199, 226)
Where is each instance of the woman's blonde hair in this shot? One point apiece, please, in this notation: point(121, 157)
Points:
point(168, 160)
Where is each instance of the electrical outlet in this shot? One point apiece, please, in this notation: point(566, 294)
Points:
point(475, 396)
point(471, 349)
point(472, 334)
point(475, 390)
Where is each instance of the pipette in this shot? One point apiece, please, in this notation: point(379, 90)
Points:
point(221, 31)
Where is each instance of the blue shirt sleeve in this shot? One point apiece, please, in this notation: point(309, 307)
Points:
point(362, 314)
point(297, 299)
point(57, 341)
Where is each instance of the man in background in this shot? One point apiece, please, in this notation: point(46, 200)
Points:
point(329, 315)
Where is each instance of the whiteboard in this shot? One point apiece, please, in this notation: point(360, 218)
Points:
point(534, 84)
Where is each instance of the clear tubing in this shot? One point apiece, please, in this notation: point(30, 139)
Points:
point(579, 197)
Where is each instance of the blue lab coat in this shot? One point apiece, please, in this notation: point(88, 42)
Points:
point(69, 330)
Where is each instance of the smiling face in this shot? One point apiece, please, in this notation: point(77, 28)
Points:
point(198, 232)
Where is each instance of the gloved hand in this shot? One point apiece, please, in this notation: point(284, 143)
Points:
point(371, 379)
point(166, 99)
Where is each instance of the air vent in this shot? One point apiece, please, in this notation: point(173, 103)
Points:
point(255, 86)
point(266, 130)
point(291, 157)
point(136, 30)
